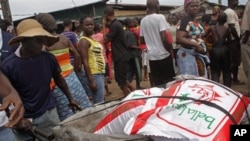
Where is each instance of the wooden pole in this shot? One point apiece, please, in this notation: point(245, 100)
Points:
point(6, 10)
point(219, 2)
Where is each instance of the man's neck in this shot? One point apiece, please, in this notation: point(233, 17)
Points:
point(112, 19)
point(152, 11)
point(26, 54)
point(66, 29)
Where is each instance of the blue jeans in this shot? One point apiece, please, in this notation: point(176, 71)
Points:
point(98, 95)
point(6, 134)
point(45, 122)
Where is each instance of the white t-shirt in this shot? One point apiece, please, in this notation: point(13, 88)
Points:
point(232, 18)
point(3, 118)
point(150, 28)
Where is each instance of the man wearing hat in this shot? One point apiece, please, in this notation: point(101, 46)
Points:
point(30, 71)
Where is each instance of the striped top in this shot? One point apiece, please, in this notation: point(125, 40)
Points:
point(62, 57)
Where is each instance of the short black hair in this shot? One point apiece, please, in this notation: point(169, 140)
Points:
point(4, 24)
point(97, 27)
point(83, 18)
point(206, 18)
point(109, 11)
point(152, 4)
point(127, 22)
point(222, 18)
point(67, 22)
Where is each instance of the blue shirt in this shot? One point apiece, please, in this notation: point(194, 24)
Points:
point(6, 49)
point(31, 78)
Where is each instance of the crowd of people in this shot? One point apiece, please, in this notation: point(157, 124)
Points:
point(47, 76)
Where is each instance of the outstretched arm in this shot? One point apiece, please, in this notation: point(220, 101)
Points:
point(10, 96)
point(61, 83)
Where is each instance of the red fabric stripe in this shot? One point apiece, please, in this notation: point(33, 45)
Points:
point(118, 112)
point(141, 120)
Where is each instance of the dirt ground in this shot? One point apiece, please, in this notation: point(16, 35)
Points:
point(117, 93)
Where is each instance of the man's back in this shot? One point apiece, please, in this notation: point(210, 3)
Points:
point(150, 28)
point(219, 34)
point(232, 18)
point(116, 35)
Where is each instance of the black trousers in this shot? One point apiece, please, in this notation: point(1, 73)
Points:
point(220, 62)
point(162, 71)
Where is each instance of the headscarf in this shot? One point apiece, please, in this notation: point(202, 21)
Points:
point(186, 2)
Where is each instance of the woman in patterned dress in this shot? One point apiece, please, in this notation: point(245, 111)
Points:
point(190, 57)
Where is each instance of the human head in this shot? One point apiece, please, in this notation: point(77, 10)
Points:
point(87, 24)
point(30, 28)
point(233, 3)
point(181, 15)
point(216, 10)
point(136, 21)
point(128, 22)
point(205, 18)
point(240, 14)
point(222, 18)
point(4, 24)
point(97, 27)
point(67, 23)
point(174, 19)
point(47, 21)
point(109, 13)
point(192, 7)
point(153, 6)
point(186, 2)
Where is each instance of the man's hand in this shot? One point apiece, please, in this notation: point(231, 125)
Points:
point(74, 105)
point(200, 50)
point(14, 106)
point(25, 124)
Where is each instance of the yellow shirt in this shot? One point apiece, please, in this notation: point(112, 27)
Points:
point(96, 58)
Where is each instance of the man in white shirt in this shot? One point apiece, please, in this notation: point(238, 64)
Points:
point(153, 32)
point(234, 44)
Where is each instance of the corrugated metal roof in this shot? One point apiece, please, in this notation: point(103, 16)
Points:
point(143, 2)
point(26, 8)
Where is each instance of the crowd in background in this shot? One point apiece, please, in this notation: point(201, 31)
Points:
point(57, 74)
